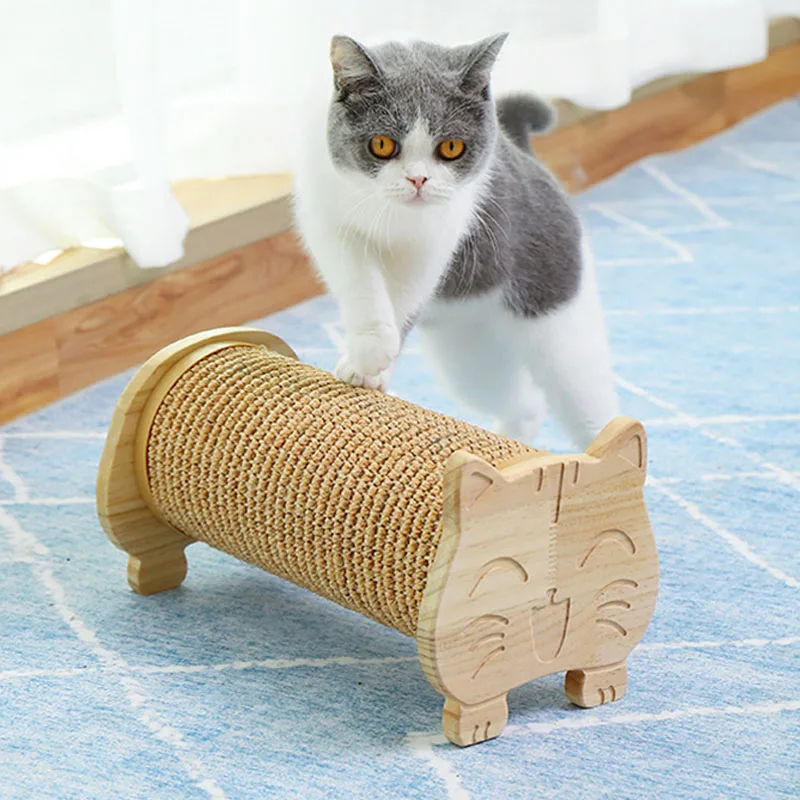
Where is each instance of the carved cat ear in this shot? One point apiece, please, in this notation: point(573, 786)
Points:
point(625, 438)
point(475, 476)
point(352, 64)
point(479, 59)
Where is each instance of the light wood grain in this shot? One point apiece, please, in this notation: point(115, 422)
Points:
point(53, 358)
point(602, 144)
point(124, 503)
point(29, 374)
point(545, 565)
point(224, 215)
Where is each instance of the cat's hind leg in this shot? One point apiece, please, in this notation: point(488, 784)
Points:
point(569, 356)
point(475, 348)
point(594, 687)
point(523, 417)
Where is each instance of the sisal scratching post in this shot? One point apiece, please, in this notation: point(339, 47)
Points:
point(506, 563)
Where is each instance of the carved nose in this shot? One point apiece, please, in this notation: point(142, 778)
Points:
point(418, 181)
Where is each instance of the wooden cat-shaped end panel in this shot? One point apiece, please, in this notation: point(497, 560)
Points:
point(547, 564)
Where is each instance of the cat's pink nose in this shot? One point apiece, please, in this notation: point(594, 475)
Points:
point(418, 181)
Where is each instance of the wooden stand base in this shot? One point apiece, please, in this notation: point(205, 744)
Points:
point(545, 564)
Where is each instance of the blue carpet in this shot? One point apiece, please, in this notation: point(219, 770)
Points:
point(239, 685)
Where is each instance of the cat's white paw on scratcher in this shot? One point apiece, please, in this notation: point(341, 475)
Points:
point(369, 360)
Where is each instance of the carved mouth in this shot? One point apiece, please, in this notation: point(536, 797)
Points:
point(549, 625)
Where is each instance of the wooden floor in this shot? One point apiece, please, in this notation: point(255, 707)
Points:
point(56, 356)
point(595, 148)
point(224, 215)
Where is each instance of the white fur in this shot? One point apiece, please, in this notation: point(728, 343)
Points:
point(381, 251)
point(506, 366)
point(379, 248)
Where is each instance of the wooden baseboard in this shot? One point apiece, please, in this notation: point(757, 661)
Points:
point(224, 215)
point(54, 357)
point(602, 144)
point(45, 361)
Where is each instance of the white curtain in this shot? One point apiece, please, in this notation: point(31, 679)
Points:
point(104, 102)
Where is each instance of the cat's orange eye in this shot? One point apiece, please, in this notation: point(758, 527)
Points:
point(382, 146)
point(452, 148)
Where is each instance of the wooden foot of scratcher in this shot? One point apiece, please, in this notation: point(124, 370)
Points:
point(505, 562)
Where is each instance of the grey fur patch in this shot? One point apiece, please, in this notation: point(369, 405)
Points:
point(384, 90)
point(525, 238)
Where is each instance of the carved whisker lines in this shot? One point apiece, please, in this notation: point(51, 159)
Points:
point(626, 583)
point(490, 637)
point(615, 626)
point(613, 535)
point(615, 604)
point(485, 618)
point(497, 565)
point(487, 659)
point(611, 605)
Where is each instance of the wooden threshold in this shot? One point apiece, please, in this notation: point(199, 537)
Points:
point(94, 313)
point(224, 215)
point(46, 361)
point(600, 145)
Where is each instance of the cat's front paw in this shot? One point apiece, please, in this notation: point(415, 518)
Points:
point(345, 371)
point(370, 357)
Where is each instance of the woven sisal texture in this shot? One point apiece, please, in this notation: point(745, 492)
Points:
point(336, 489)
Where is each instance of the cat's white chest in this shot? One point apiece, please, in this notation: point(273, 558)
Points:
point(412, 247)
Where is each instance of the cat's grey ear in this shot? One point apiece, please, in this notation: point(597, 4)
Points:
point(352, 64)
point(479, 60)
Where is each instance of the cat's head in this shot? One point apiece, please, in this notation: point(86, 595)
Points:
point(412, 123)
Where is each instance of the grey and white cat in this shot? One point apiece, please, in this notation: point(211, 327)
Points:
point(421, 204)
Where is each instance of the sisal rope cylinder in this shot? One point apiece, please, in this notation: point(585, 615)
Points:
point(336, 489)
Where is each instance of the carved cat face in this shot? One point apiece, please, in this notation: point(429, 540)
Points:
point(546, 564)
